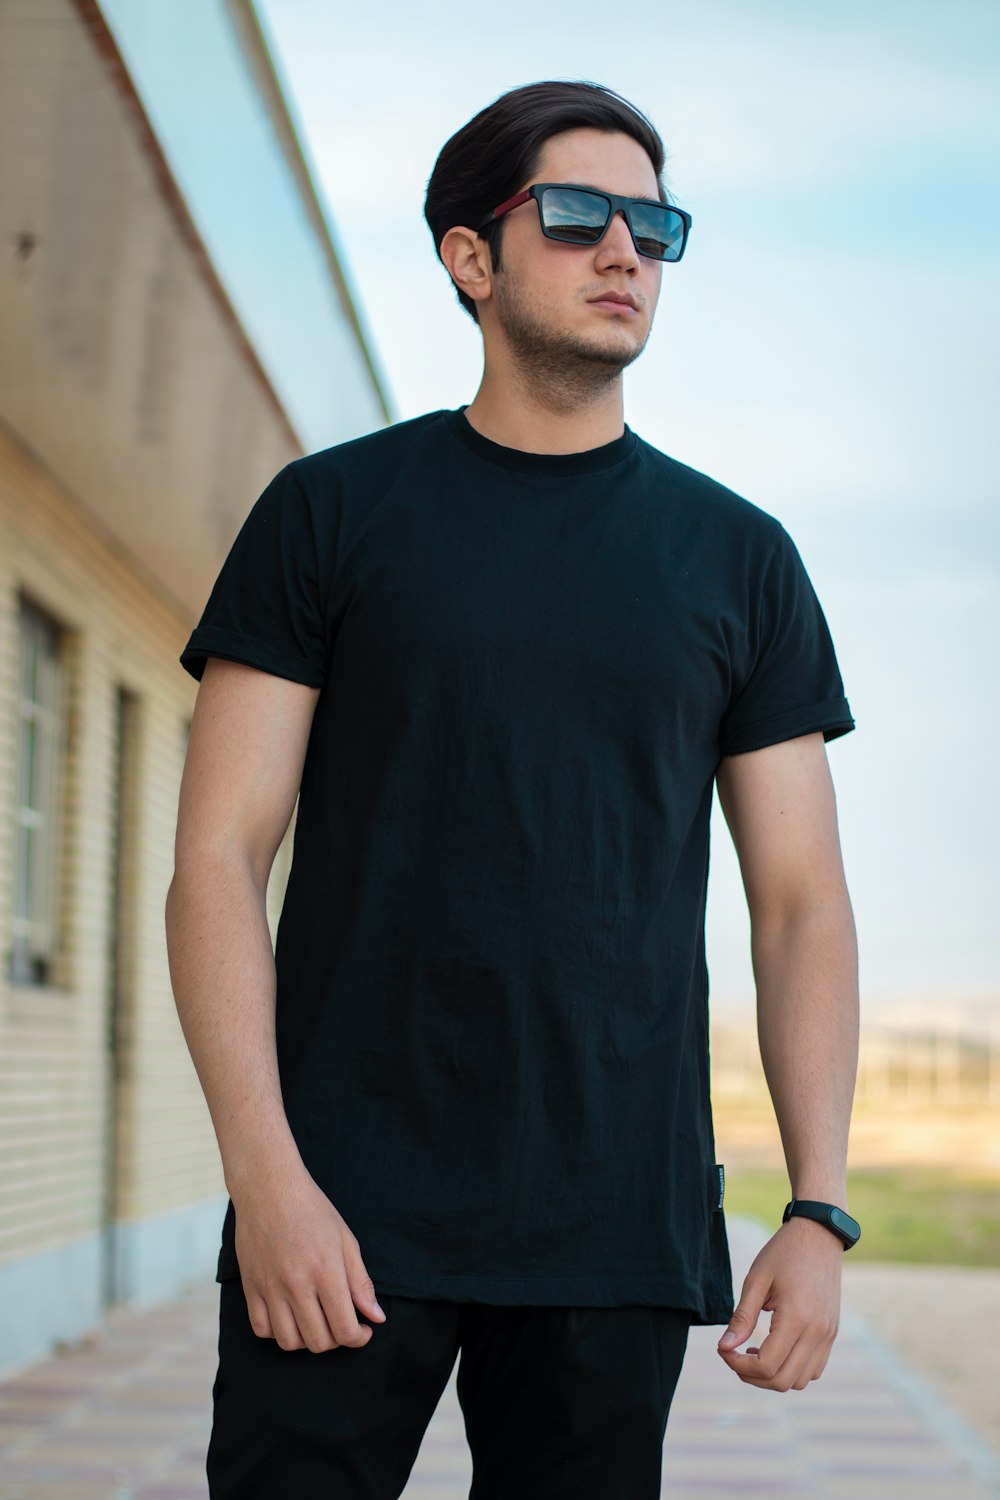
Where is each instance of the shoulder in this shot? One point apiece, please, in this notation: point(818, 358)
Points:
point(366, 456)
point(720, 509)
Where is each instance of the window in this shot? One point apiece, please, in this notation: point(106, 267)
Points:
point(37, 810)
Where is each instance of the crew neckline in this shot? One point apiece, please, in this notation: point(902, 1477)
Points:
point(518, 460)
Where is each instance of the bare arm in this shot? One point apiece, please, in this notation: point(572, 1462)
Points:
point(780, 805)
point(244, 762)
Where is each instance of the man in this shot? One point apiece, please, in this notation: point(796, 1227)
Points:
point(504, 654)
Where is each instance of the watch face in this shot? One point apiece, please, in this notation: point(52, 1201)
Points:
point(844, 1221)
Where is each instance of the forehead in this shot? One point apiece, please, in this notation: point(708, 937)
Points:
point(604, 159)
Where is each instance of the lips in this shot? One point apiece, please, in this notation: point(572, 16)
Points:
point(622, 298)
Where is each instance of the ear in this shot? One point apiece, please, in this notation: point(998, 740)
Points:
point(467, 259)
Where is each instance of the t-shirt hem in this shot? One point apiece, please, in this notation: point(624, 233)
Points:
point(215, 642)
point(590, 1290)
point(834, 718)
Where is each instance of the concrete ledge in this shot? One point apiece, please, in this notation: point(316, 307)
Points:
point(57, 1295)
point(154, 1258)
point(46, 1297)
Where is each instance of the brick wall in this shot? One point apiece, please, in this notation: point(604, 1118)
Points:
point(87, 1133)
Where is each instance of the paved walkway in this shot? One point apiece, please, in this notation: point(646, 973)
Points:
point(127, 1418)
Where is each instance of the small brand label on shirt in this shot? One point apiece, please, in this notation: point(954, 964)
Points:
point(721, 1184)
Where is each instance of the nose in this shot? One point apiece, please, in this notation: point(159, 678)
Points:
point(617, 247)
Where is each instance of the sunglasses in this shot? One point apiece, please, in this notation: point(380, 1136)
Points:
point(578, 215)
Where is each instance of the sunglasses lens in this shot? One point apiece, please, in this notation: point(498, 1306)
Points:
point(659, 232)
point(580, 217)
point(574, 215)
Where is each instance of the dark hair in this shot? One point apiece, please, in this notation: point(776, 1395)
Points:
point(499, 149)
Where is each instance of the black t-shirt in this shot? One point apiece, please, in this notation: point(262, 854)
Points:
point(492, 1002)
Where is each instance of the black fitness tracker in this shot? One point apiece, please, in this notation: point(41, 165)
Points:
point(846, 1228)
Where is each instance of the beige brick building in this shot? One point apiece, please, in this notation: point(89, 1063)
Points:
point(175, 327)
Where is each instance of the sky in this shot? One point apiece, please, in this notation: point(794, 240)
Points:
point(826, 348)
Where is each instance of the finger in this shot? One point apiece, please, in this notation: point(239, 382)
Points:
point(338, 1309)
point(360, 1284)
point(812, 1367)
point(787, 1373)
point(313, 1323)
point(260, 1318)
point(286, 1329)
point(729, 1354)
point(781, 1338)
point(745, 1315)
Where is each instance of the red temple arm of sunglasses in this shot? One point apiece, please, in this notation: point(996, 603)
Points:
point(502, 208)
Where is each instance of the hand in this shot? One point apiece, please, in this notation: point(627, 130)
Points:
point(796, 1278)
point(301, 1267)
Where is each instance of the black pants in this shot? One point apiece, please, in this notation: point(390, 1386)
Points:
point(558, 1402)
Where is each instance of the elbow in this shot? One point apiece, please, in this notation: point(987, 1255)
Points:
point(205, 874)
point(822, 904)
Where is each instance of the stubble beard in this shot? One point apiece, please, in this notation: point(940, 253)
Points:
point(562, 371)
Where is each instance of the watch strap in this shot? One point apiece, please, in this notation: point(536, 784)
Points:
point(836, 1219)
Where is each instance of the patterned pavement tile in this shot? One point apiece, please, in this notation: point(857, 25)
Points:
point(126, 1415)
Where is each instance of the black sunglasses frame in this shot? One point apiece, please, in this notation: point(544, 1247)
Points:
point(615, 202)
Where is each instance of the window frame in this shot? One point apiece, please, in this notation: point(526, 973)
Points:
point(39, 799)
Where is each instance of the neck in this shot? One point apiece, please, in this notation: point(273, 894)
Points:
point(518, 413)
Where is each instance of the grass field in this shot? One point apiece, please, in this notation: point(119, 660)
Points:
point(923, 1215)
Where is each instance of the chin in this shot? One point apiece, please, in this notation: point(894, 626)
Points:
point(621, 351)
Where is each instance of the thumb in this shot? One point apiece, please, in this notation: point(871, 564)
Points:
point(741, 1326)
point(363, 1293)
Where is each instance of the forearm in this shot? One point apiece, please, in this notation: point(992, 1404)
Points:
point(223, 976)
point(806, 969)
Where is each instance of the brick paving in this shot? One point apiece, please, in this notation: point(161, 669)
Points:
point(126, 1416)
